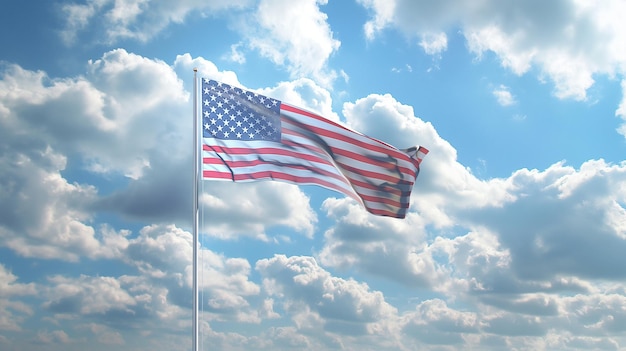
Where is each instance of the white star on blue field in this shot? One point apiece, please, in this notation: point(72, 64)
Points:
point(516, 233)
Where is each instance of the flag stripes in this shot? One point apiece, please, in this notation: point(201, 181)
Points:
point(310, 150)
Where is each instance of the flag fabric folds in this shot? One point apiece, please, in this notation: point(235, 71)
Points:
point(249, 137)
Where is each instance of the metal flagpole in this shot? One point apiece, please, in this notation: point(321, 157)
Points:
point(196, 180)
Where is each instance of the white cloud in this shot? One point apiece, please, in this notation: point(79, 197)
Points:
point(104, 334)
point(504, 96)
point(383, 246)
point(96, 120)
point(296, 35)
point(53, 337)
point(141, 20)
point(13, 312)
point(88, 295)
point(535, 253)
point(304, 93)
point(307, 286)
point(42, 214)
point(9, 286)
point(126, 102)
point(163, 255)
point(433, 322)
point(236, 55)
point(569, 42)
point(434, 43)
point(383, 14)
point(232, 209)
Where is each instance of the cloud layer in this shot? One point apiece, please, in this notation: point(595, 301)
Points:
point(95, 174)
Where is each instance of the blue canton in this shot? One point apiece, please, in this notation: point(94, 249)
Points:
point(235, 114)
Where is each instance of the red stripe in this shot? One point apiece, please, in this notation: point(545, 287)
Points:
point(384, 200)
point(387, 189)
point(372, 145)
point(394, 214)
point(265, 150)
point(296, 179)
point(275, 175)
point(354, 156)
point(252, 163)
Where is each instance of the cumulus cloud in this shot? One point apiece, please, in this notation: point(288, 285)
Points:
point(42, 214)
point(503, 96)
point(509, 246)
point(295, 35)
point(304, 93)
point(307, 287)
point(380, 246)
point(95, 121)
point(434, 43)
point(536, 253)
point(559, 38)
point(13, 311)
point(159, 294)
point(134, 19)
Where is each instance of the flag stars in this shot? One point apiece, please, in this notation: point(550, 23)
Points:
point(232, 113)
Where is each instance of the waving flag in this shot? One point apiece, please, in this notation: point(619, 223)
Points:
point(249, 137)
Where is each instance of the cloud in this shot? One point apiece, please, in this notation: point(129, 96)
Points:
point(295, 35)
point(515, 254)
point(504, 96)
point(42, 214)
point(506, 259)
point(49, 216)
point(304, 93)
point(589, 230)
point(53, 337)
point(434, 43)
point(569, 42)
point(134, 19)
point(115, 307)
point(308, 287)
point(379, 246)
point(13, 311)
point(433, 322)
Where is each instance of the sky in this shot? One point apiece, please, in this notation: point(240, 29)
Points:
point(516, 234)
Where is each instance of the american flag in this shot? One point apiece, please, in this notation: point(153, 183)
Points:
point(250, 137)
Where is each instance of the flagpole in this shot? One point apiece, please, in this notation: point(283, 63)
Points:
point(196, 167)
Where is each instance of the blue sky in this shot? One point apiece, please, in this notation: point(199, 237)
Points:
point(515, 238)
